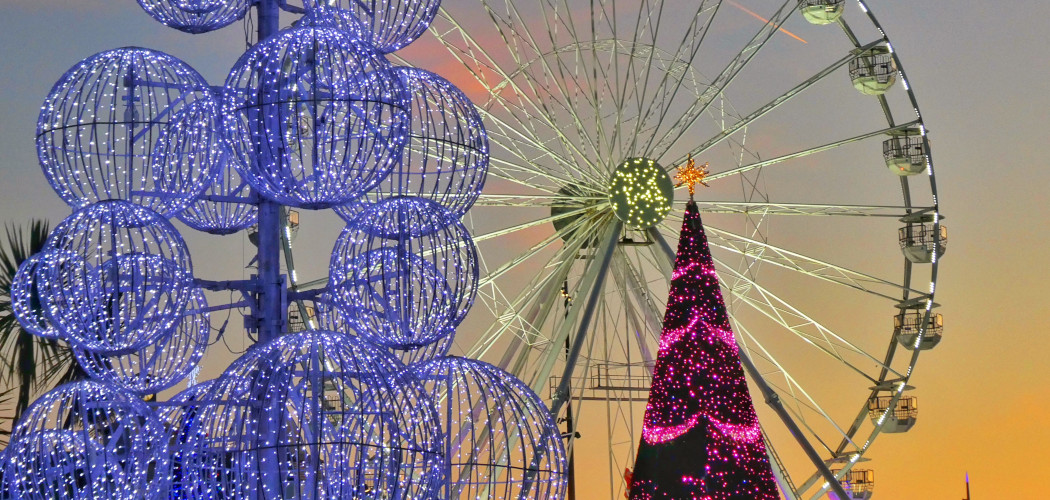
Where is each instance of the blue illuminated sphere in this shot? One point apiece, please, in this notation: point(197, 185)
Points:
point(447, 156)
point(25, 300)
point(87, 440)
point(332, 318)
point(315, 116)
point(129, 124)
point(500, 439)
point(315, 415)
point(115, 277)
point(159, 365)
point(388, 25)
point(226, 206)
point(196, 16)
point(401, 279)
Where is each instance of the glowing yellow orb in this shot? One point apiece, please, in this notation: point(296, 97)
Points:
point(641, 193)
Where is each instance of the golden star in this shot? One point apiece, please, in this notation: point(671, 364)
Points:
point(691, 175)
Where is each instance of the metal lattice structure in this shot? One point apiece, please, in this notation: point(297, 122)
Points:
point(316, 117)
point(114, 277)
point(85, 441)
point(387, 25)
point(501, 442)
point(405, 273)
point(126, 124)
point(161, 364)
point(196, 16)
point(446, 157)
point(315, 413)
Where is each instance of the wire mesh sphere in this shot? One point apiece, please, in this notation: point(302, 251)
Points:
point(87, 440)
point(317, 118)
point(177, 414)
point(160, 365)
point(313, 415)
point(25, 300)
point(388, 25)
point(405, 291)
point(500, 439)
point(101, 124)
point(447, 156)
point(115, 277)
point(196, 16)
point(226, 206)
point(331, 318)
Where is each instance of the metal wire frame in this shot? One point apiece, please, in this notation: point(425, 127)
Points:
point(196, 16)
point(129, 124)
point(159, 365)
point(388, 25)
point(114, 277)
point(446, 157)
point(315, 117)
point(87, 440)
point(403, 274)
point(25, 300)
point(312, 415)
point(332, 318)
point(226, 206)
point(501, 441)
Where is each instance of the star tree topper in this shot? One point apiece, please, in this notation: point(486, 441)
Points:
point(691, 175)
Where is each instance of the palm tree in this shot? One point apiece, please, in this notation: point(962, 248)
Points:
point(29, 365)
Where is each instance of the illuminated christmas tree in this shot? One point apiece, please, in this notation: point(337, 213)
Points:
point(700, 438)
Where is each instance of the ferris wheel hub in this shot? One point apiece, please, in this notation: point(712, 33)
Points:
point(641, 193)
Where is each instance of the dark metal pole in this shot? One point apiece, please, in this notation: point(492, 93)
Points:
point(569, 427)
point(271, 309)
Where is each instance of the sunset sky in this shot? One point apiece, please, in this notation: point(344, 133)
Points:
point(980, 74)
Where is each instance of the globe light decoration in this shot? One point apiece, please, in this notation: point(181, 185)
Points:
point(179, 416)
point(315, 116)
point(388, 25)
point(312, 415)
point(641, 193)
point(86, 440)
point(25, 300)
point(403, 274)
point(226, 206)
point(331, 317)
point(160, 365)
point(99, 129)
point(115, 277)
point(447, 156)
point(500, 440)
point(196, 16)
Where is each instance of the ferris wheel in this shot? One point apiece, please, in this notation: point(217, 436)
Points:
point(806, 222)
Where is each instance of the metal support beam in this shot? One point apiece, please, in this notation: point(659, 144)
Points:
point(561, 395)
point(270, 285)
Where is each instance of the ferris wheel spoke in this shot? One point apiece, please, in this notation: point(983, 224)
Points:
point(791, 318)
point(532, 223)
point(718, 86)
point(770, 106)
point(523, 44)
point(806, 266)
point(765, 209)
point(799, 404)
point(534, 250)
point(527, 111)
point(806, 152)
point(685, 56)
point(541, 200)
